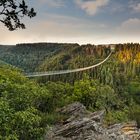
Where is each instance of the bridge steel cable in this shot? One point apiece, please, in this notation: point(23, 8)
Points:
point(60, 72)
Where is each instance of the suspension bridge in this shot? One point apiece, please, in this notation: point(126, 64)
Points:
point(61, 72)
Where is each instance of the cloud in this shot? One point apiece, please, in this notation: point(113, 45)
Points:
point(128, 31)
point(91, 6)
point(53, 3)
point(55, 28)
point(130, 26)
point(66, 27)
point(135, 5)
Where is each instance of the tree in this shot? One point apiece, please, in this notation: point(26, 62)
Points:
point(19, 117)
point(12, 11)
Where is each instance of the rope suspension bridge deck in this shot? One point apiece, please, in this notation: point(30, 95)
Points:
point(61, 72)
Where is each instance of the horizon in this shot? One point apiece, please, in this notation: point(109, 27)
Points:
point(69, 43)
point(90, 21)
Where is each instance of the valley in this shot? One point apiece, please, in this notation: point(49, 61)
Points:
point(33, 103)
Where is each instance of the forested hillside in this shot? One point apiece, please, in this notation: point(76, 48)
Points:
point(50, 56)
point(53, 56)
point(29, 106)
point(30, 56)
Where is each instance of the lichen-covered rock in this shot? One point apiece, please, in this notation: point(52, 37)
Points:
point(84, 125)
point(127, 131)
point(74, 111)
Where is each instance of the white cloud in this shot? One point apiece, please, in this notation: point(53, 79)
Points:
point(128, 31)
point(131, 26)
point(56, 28)
point(91, 6)
point(66, 26)
point(135, 6)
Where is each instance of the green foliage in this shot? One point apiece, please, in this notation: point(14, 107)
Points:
point(51, 56)
point(95, 95)
point(134, 90)
point(27, 124)
point(134, 113)
point(114, 87)
point(116, 116)
point(59, 94)
point(85, 92)
point(19, 118)
point(6, 115)
point(53, 118)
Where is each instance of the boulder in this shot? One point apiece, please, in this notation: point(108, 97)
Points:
point(84, 125)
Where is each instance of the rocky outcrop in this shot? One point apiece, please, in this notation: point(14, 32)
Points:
point(84, 125)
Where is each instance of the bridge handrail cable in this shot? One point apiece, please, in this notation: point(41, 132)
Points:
point(49, 73)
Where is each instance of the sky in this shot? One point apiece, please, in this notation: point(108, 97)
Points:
point(79, 21)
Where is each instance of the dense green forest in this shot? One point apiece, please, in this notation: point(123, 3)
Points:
point(33, 103)
point(51, 56)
